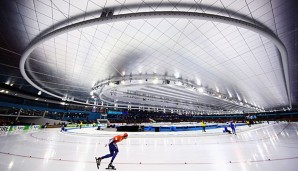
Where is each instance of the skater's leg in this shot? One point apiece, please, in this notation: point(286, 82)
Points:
point(115, 149)
point(114, 156)
point(106, 156)
point(234, 131)
point(112, 150)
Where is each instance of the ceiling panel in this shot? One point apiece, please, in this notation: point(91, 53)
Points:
point(220, 55)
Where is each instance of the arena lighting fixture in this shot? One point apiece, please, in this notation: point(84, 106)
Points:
point(39, 93)
point(108, 100)
point(201, 89)
point(66, 98)
point(230, 94)
point(191, 89)
point(199, 82)
point(217, 90)
point(239, 98)
point(179, 83)
point(155, 81)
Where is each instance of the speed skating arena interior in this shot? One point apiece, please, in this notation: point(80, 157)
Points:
point(171, 85)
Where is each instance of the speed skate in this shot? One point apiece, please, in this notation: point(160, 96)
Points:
point(97, 162)
point(111, 167)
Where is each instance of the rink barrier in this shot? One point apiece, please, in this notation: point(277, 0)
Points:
point(18, 129)
point(149, 134)
point(162, 127)
point(78, 125)
point(186, 127)
point(4, 130)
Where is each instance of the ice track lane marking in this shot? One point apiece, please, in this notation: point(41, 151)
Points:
point(150, 163)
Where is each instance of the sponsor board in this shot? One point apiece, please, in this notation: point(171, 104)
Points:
point(16, 129)
point(4, 130)
point(78, 125)
point(34, 127)
point(11, 130)
point(72, 125)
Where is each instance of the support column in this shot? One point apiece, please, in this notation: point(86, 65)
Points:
point(18, 114)
point(44, 114)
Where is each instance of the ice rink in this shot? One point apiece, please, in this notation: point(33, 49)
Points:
point(263, 147)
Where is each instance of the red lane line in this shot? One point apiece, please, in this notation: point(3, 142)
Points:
point(148, 163)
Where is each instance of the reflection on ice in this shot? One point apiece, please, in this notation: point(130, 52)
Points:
point(250, 149)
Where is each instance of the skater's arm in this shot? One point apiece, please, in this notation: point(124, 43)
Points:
point(110, 141)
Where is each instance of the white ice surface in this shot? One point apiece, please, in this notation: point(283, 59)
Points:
point(249, 150)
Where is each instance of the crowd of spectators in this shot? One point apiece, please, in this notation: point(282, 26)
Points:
point(135, 117)
point(9, 121)
point(9, 117)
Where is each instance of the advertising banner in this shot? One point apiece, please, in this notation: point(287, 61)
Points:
point(19, 129)
point(78, 125)
point(35, 127)
point(26, 128)
point(4, 130)
point(16, 129)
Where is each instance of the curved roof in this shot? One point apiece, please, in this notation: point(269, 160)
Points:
point(191, 56)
